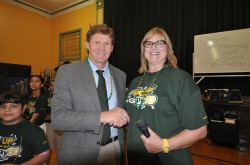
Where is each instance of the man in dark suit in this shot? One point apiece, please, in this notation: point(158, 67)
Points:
point(77, 109)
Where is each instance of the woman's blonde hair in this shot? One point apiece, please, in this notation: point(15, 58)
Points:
point(171, 59)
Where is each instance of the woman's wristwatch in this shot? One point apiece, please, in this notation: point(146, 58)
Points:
point(165, 147)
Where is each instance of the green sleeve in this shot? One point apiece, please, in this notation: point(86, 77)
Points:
point(190, 109)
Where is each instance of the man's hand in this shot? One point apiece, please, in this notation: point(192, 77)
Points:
point(116, 117)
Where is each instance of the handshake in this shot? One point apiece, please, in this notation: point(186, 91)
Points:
point(116, 117)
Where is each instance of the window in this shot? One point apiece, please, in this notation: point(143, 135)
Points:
point(70, 46)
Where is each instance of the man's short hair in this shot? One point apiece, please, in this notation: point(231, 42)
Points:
point(100, 29)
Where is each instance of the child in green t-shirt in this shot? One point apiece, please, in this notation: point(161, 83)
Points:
point(20, 140)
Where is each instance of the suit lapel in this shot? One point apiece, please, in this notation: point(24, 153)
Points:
point(117, 86)
point(90, 83)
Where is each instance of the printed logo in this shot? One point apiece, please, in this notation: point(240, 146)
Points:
point(9, 147)
point(31, 107)
point(143, 97)
point(49, 102)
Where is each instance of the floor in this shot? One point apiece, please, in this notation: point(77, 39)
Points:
point(205, 153)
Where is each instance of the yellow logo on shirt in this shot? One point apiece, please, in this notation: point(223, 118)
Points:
point(142, 97)
point(9, 147)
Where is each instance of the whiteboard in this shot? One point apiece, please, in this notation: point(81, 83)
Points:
point(222, 52)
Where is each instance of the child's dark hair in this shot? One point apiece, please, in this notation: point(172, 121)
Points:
point(42, 81)
point(38, 76)
point(11, 97)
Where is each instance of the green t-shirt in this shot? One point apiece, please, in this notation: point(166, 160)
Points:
point(37, 105)
point(34, 142)
point(48, 96)
point(172, 103)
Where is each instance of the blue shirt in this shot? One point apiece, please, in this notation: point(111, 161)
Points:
point(113, 100)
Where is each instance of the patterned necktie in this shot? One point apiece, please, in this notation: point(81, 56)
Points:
point(102, 92)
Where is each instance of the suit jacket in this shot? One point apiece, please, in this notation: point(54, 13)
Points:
point(76, 111)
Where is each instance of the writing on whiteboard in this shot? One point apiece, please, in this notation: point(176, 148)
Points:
point(222, 52)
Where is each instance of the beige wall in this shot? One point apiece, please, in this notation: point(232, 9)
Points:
point(81, 18)
point(28, 38)
point(25, 37)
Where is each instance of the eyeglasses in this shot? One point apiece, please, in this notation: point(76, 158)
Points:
point(158, 44)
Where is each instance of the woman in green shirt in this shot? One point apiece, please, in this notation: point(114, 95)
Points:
point(169, 100)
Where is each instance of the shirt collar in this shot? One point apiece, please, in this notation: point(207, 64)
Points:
point(94, 68)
